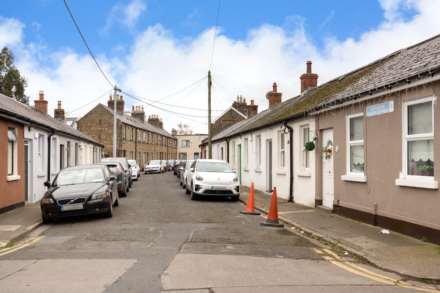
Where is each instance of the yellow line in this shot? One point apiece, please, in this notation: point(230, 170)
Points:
point(20, 246)
point(360, 271)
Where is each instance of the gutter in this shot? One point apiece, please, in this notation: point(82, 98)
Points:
point(227, 150)
point(291, 160)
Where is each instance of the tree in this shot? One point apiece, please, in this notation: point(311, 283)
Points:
point(12, 84)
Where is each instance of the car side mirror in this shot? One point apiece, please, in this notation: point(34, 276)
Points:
point(47, 184)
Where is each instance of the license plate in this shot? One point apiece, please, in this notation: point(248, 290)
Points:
point(217, 188)
point(72, 207)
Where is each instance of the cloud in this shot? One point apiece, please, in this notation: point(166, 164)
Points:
point(157, 63)
point(11, 31)
point(127, 15)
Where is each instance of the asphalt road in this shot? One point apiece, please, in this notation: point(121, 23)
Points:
point(160, 241)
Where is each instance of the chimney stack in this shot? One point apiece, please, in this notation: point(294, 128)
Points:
point(274, 97)
point(58, 113)
point(41, 104)
point(308, 80)
point(120, 105)
point(155, 121)
point(173, 132)
point(252, 109)
point(138, 113)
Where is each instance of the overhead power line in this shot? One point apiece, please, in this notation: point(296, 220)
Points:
point(142, 100)
point(86, 44)
point(92, 101)
point(180, 90)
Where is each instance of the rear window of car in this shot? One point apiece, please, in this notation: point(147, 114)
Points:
point(155, 162)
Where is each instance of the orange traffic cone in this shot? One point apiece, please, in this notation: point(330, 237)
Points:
point(272, 216)
point(250, 208)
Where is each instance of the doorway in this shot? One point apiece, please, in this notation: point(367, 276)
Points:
point(27, 169)
point(328, 194)
point(61, 156)
point(239, 162)
point(269, 165)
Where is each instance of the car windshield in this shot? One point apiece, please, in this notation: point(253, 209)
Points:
point(79, 176)
point(155, 162)
point(114, 168)
point(218, 167)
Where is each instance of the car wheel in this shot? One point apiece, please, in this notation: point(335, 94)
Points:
point(45, 219)
point(109, 213)
point(187, 191)
point(116, 201)
point(235, 197)
point(193, 195)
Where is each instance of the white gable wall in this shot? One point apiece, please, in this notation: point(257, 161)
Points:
point(304, 179)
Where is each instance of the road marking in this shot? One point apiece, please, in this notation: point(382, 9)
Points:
point(363, 272)
point(20, 245)
point(9, 228)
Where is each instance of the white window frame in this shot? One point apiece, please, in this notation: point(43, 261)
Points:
point(258, 151)
point(246, 154)
point(12, 176)
point(353, 176)
point(53, 155)
point(281, 150)
point(418, 181)
point(304, 154)
point(42, 153)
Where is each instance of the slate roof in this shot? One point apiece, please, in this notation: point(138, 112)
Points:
point(400, 66)
point(29, 114)
point(136, 123)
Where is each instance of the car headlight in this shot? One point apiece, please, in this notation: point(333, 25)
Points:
point(199, 178)
point(47, 200)
point(235, 179)
point(99, 195)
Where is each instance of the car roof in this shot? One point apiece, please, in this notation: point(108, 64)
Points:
point(211, 160)
point(89, 166)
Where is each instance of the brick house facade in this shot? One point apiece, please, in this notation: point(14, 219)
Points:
point(137, 138)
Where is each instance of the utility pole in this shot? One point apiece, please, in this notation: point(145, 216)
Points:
point(115, 103)
point(209, 116)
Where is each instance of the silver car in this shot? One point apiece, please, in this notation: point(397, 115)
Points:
point(212, 178)
point(185, 172)
point(153, 167)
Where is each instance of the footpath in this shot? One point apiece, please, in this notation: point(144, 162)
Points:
point(391, 251)
point(16, 223)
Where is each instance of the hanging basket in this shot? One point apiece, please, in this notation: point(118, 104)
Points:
point(309, 146)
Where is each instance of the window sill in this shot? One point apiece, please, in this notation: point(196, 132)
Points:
point(304, 173)
point(13, 177)
point(246, 170)
point(417, 182)
point(354, 178)
point(41, 175)
point(281, 172)
point(258, 170)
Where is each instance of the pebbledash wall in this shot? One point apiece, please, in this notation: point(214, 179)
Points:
point(384, 195)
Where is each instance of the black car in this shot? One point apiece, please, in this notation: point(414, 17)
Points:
point(125, 165)
point(117, 170)
point(81, 190)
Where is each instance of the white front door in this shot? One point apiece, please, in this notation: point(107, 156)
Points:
point(327, 169)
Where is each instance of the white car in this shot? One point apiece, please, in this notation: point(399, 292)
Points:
point(153, 167)
point(135, 169)
point(185, 172)
point(212, 178)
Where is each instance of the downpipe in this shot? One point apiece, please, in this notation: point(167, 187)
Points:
point(290, 129)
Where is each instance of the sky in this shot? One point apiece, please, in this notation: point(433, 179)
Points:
point(160, 50)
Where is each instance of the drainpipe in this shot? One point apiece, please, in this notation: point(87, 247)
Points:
point(49, 147)
point(291, 160)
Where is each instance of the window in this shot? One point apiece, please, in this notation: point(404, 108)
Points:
point(233, 154)
point(281, 149)
point(221, 154)
point(185, 143)
point(245, 153)
point(76, 154)
point(68, 154)
point(12, 152)
point(418, 144)
point(258, 150)
point(305, 156)
point(355, 145)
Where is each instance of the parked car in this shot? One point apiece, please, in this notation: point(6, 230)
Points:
point(212, 178)
point(185, 172)
point(163, 165)
point(125, 165)
point(180, 170)
point(176, 167)
point(171, 164)
point(117, 169)
point(153, 166)
point(135, 169)
point(81, 190)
